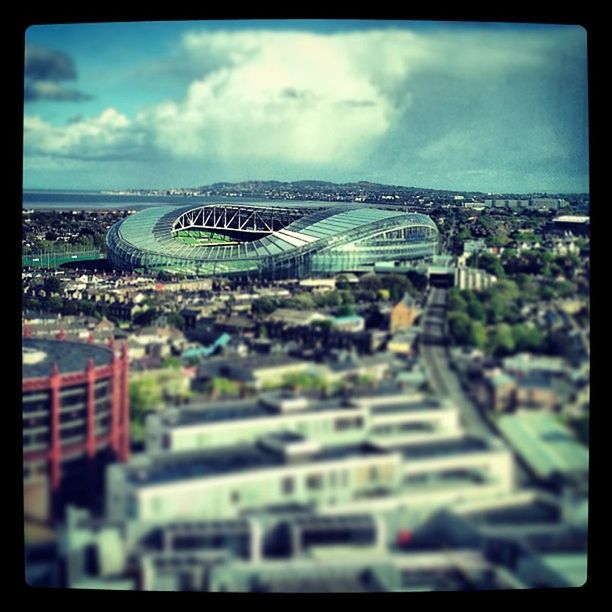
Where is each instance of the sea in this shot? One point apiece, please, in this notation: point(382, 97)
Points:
point(96, 200)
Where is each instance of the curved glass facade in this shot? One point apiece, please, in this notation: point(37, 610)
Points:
point(298, 244)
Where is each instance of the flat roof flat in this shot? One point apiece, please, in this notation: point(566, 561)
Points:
point(237, 411)
point(238, 459)
point(530, 513)
point(544, 443)
point(428, 404)
point(443, 448)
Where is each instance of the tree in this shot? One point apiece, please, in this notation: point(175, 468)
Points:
point(501, 301)
point(491, 264)
point(52, 285)
point(303, 301)
point(397, 285)
point(478, 335)
point(370, 282)
point(346, 310)
point(528, 338)
point(460, 328)
point(32, 303)
point(501, 342)
point(263, 306)
point(164, 275)
point(171, 362)
point(145, 396)
point(342, 283)
point(54, 304)
point(529, 287)
point(418, 279)
point(87, 307)
point(145, 317)
point(556, 343)
point(564, 289)
point(174, 319)
point(498, 239)
point(330, 299)
point(347, 297)
point(476, 310)
point(220, 386)
point(304, 381)
point(456, 301)
point(70, 307)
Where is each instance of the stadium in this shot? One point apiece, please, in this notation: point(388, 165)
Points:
point(266, 241)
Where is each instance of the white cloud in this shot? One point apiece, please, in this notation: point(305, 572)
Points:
point(109, 135)
point(296, 97)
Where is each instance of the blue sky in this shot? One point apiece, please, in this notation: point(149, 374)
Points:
point(464, 106)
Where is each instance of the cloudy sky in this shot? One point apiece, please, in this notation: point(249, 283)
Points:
point(486, 107)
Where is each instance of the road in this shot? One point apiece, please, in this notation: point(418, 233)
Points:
point(445, 382)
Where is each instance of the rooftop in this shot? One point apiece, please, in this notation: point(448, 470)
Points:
point(405, 407)
point(255, 362)
point(547, 445)
point(530, 513)
point(164, 469)
point(444, 448)
point(572, 219)
point(39, 355)
point(238, 410)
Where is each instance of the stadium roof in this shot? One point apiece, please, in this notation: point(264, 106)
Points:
point(151, 230)
point(213, 239)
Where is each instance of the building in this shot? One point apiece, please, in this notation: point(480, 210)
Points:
point(578, 225)
point(291, 552)
point(289, 494)
point(547, 446)
point(385, 419)
point(75, 420)
point(349, 323)
point(373, 454)
point(533, 539)
point(267, 241)
point(473, 278)
point(256, 372)
point(470, 247)
point(497, 391)
point(124, 311)
point(537, 391)
point(403, 314)
point(531, 204)
point(287, 468)
point(403, 342)
point(294, 317)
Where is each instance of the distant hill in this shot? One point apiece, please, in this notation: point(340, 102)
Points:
point(324, 186)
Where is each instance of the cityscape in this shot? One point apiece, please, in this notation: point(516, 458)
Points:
point(239, 379)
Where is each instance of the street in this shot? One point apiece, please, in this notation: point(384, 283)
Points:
point(444, 381)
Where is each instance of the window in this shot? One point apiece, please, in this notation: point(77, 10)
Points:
point(348, 423)
point(314, 482)
point(288, 485)
point(344, 478)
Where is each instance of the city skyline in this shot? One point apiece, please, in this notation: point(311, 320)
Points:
point(458, 106)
